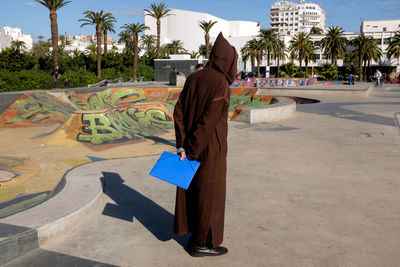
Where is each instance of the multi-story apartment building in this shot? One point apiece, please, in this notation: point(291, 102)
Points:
point(9, 34)
point(289, 17)
point(382, 31)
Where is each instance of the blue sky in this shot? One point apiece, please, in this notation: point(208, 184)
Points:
point(34, 19)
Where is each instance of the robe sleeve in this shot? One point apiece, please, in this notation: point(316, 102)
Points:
point(202, 131)
point(178, 122)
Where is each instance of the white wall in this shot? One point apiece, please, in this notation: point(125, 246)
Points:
point(9, 34)
point(184, 25)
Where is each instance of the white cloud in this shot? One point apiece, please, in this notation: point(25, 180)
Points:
point(31, 4)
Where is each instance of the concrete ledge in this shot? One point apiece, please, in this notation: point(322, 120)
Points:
point(81, 195)
point(284, 109)
point(17, 245)
point(317, 91)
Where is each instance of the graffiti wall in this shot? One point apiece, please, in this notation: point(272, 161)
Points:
point(109, 116)
point(324, 83)
point(128, 123)
point(121, 97)
point(36, 109)
point(274, 82)
point(239, 101)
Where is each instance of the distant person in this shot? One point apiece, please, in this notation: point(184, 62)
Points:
point(351, 79)
point(201, 129)
point(57, 75)
point(377, 77)
point(66, 83)
point(199, 67)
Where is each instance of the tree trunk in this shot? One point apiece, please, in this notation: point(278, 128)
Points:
point(252, 65)
point(306, 61)
point(361, 55)
point(54, 37)
point(365, 69)
point(135, 55)
point(105, 42)
point(258, 64)
point(158, 38)
point(207, 40)
point(268, 57)
point(98, 35)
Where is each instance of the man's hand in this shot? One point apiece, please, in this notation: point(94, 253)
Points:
point(183, 155)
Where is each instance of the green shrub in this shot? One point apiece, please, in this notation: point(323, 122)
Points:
point(288, 70)
point(15, 60)
point(79, 78)
point(25, 80)
point(328, 72)
point(301, 74)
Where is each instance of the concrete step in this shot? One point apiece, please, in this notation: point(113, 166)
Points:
point(41, 257)
point(16, 241)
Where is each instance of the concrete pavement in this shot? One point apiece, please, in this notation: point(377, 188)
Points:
point(320, 189)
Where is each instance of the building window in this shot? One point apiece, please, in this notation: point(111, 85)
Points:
point(384, 29)
point(386, 41)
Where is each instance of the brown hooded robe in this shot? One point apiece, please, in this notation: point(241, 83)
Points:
point(201, 128)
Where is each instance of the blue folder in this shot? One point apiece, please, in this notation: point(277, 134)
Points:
point(170, 169)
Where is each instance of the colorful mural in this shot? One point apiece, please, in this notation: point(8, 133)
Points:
point(36, 109)
point(116, 122)
point(121, 97)
point(125, 124)
point(239, 101)
point(324, 83)
point(273, 82)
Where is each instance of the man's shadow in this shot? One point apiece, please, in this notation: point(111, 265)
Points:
point(131, 204)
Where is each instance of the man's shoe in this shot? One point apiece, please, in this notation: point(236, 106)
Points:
point(199, 251)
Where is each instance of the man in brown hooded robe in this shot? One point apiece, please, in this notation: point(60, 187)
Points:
point(201, 129)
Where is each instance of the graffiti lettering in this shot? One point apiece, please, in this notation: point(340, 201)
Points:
point(121, 125)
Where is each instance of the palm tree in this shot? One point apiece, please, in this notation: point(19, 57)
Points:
point(257, 47)
point(302, 47)
point(360, 43)
point(97, 19)
point(53, 6)
point(372, 52)
point(247, 53)
point(64, 42)
point(148, 41)
point(126, 38)
point(316, 30)
point(108, 26)
point(134, 29)
point(18, 45)
point(271, 42)
point(91, 49)
point(393, 49)
point(203, 49)
point(334, 44)
point(194, 54)
point(176, 47)
point(158, 11)
point(206, 26)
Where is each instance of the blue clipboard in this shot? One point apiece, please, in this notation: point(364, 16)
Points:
point(170, 169)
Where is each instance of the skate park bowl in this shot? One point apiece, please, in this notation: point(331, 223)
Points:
point(46, 133)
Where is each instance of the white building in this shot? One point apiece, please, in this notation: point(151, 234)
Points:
point(9, 34)
point(382, 31)
point(290, 18)
point(82, 41)
point(184, 25)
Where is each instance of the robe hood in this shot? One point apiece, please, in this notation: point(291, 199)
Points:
point(223, 58)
